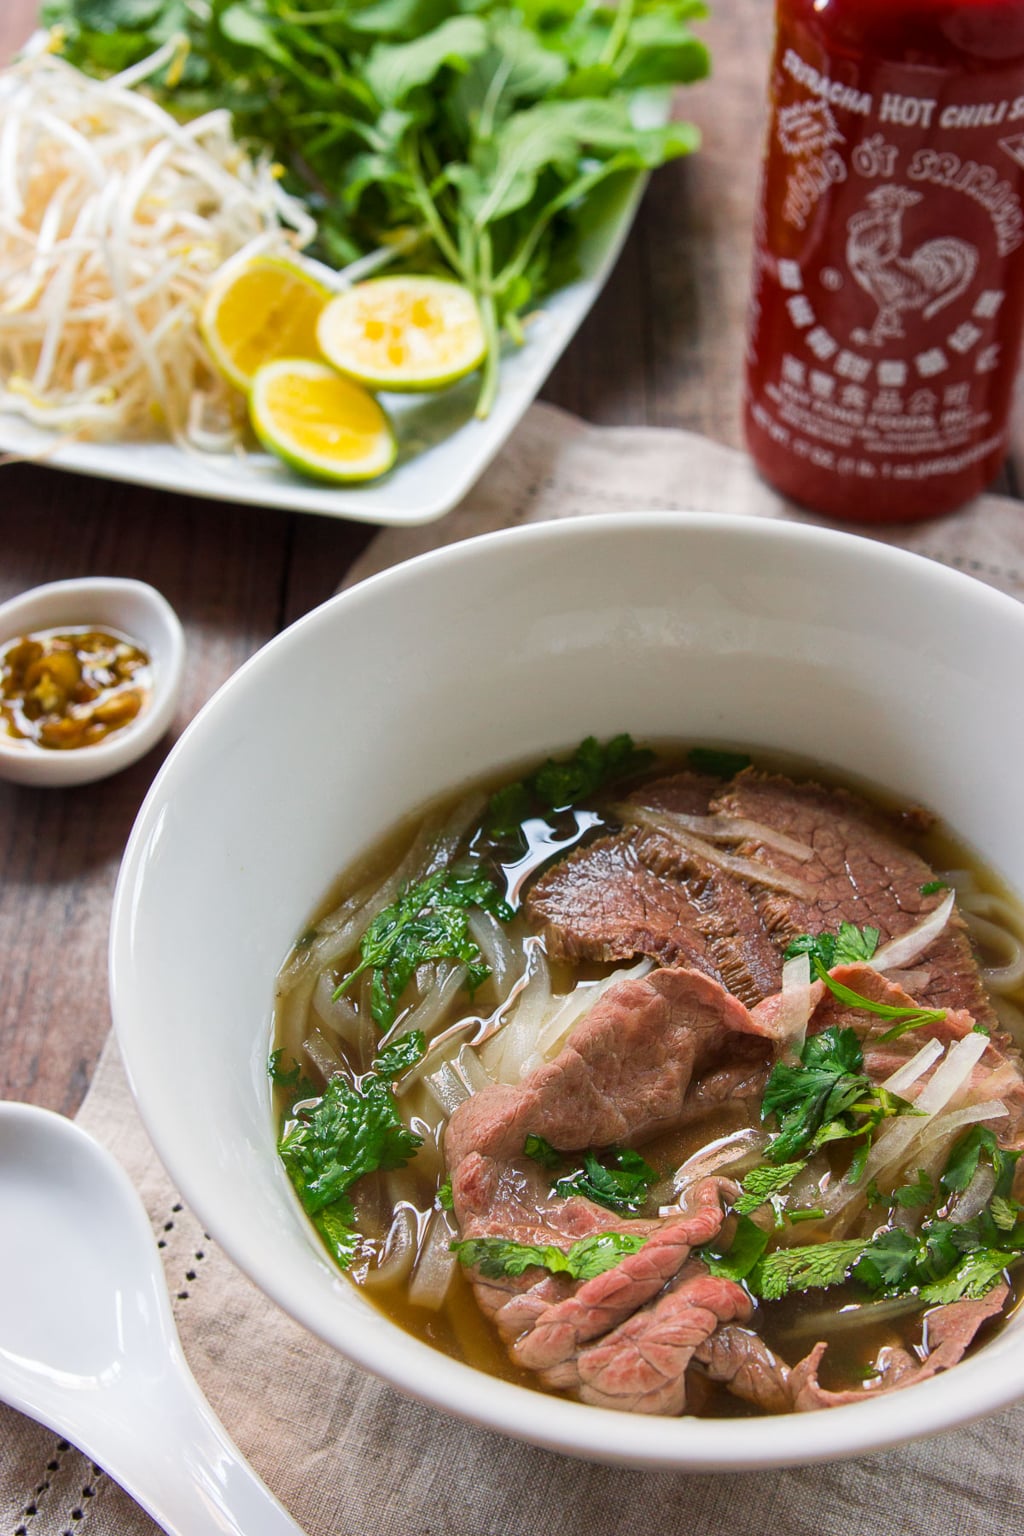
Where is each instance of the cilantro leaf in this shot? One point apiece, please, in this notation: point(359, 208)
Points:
point(932, 887)
point(744, 1252)
point(591, 1256)
point(400, 1055)
point(850, 946)
point(541, 1151)
point(976, 1274)
point(905, 1018)
point(444, 1196)
point(827, 1097)
point(620, 1187)
point(561, 783)
point(918, 1193)
point(427, 921)
point(350, 1131)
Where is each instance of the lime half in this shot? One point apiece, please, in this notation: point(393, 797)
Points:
point(266, 309)
point(403, 333)
point(319, 422)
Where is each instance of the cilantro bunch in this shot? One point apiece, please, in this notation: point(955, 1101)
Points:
point(476, 130)
point(618, 1179)
point(352, 1129)
point(561, 783)
point(428, 921)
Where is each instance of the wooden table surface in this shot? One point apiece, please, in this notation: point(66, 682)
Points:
point(663, 346)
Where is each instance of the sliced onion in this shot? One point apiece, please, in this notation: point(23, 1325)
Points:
point(976, 1196)
point(435, 1266)
point(795, 1003)
point(905, 949)
point(943, 1126)
point(907, 1074)
point(893, 1144)
point(448, 1088)
point(743, 869)
point(726, 829)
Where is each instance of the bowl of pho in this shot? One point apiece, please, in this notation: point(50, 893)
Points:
point(608, 971)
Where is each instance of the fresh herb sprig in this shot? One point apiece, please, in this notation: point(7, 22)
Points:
point(584, 1260)
point(475, 130)
point(561, 783)
point(352, 1129)
point(853, 946)
point(617, 1177)
point(826, 1097)
point(427, 922)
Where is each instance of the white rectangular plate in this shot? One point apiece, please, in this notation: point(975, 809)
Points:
point(443, 449)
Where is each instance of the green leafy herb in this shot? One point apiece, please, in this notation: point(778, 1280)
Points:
point(827, 1097)
point(400, 1055)
point(428, 921)
point(445, 1198)
point(760, 1184)
point(541, 1151)
point(351, 1130)
point(285, 1077)
point(472, 134)
point(744, 1252)
point(905, 1018)
point(916, 1194)
point(804, 1269)
point(976, 1274)
point(591, 1256)
point(721, 765)
point(620, 1182)
point(561, 783)
point(932, 887)
point(850, 946)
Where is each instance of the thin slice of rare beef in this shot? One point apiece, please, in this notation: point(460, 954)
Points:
point(827, 856)
point(623, 1076)
point(948, 1333)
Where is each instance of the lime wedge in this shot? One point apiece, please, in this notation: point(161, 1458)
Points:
point(323, 424)
point(264, 310)
point(403, 333)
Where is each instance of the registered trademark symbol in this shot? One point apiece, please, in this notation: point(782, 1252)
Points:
point(831, 279)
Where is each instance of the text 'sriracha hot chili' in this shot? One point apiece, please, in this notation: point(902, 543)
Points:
point(889, 254)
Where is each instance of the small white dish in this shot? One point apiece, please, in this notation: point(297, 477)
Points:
point(132, 608)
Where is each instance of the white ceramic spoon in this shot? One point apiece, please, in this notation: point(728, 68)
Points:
point(88, 1345)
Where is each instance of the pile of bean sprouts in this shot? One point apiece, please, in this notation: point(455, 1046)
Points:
point(114, 221)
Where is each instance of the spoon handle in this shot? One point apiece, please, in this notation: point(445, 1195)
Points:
point(180, 1464)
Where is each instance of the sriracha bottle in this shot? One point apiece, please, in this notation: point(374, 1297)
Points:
point(888, 288)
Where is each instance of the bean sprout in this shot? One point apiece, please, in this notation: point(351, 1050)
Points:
point(114, 221)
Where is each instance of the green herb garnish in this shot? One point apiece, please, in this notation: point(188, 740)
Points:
point(850, 946)
point(561, 783)
point(428, 921)
point(591, 1256)
point(541, 1151)
point(932, 887)
point(760, 1184)
point(827, 1097)
point(470, 135)
point(353, 1129)
point(620, 1182)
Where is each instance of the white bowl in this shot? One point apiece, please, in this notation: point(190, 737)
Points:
point(134, 609)
point(717, 629)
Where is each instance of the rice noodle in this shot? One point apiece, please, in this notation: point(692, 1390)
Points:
point(994, 936)
point(435, 1265)
point(396, 1260)
point(117, 220)
point(322, 1054)
point(447, 1087)
point(745, 869)
point(904, 950)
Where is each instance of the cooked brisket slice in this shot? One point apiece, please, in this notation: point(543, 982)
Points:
point(638, 892)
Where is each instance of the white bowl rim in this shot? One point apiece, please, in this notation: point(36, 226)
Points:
point(947, 1401)
point(127, 745)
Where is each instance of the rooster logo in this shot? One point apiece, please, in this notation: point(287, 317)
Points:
point(928, 279)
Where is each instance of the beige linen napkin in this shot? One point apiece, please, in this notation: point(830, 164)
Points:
point(347, 1455)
